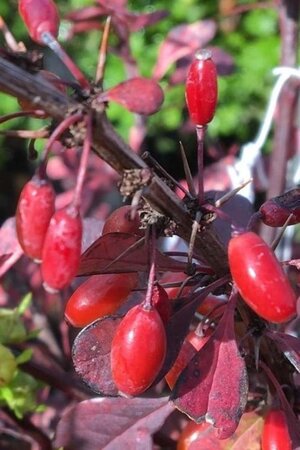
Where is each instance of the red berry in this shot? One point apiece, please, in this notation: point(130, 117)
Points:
point(34, 211)
point(191, 433)
point(275, 434)
point(201, 89)
point(39, 16)
point(161, 302)
point(120, 221)
point(62, 248)
point(99, 296)
point(275, 211)
point(138, 350)
point(260, 278)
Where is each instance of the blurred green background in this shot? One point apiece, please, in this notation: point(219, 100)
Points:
point(251, 38)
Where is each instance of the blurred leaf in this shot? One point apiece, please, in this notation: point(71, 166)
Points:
point(25, 303)
point(181, 41)
point(20, 394)
point(112, 424)
point(25, 356)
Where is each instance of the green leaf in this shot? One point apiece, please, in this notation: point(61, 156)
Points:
point(25, 356)
point(20, 394)
point(25, 303)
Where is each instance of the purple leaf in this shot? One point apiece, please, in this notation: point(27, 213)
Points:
point(88, 13)
point(138, 95)
point(91, 355)
point(108, 247)
point(112, 424)
point(289, 345)
point(183, 40)
point(136, 22)
point(214, 385)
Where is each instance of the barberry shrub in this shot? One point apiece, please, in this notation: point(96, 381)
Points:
point(170, 321)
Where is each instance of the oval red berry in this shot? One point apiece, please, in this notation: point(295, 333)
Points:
point(34, 211)
point(275, 435)
point(39, 16)
point(201, 89)
point(62, 248)
point(99, 296)
point(138, 350)
point(120, 221)
point(260, 278)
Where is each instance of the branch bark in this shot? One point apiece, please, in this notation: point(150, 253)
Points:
point(109, 146)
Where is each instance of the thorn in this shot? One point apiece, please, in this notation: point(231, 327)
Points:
point(187, 171)
point(282, 230)
point(103, 52)
point(152, 161)
point(231, 194)
point(192, 242)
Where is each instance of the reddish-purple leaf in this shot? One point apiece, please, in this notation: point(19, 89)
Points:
point(112, 424)
point(214, 385)
point(108, 247)
point(137, 21)
point(113, 4)
point(178, 327)
point(88, 13)
point(138, 95)
point(183, 40)
point(91, 355)
point(289, 345)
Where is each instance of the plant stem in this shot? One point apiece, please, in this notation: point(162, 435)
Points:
point(200, 130)
point(147, 304)
point(87, 144)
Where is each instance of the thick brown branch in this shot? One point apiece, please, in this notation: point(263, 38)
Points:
point(111, 148)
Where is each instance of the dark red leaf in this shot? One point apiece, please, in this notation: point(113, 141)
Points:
point(214, 385)
point(178, 327)
point(108, 247)
point(91, 355)
point(138, 95)
point(289, 345)
point(183, 40)
point(112, 424)
point(137, 21)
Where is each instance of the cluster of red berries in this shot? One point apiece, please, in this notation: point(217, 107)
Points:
point(52, 237)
